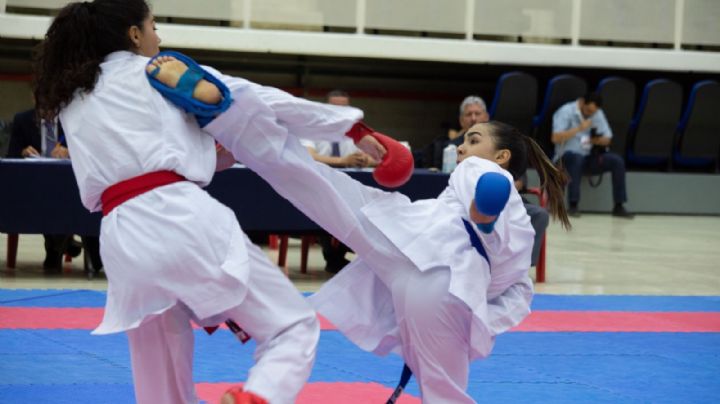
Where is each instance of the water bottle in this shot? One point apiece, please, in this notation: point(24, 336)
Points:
point(449, 160)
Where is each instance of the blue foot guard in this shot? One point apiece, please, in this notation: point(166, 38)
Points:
point(181, 95)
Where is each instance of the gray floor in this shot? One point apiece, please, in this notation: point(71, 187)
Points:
point(650, 255)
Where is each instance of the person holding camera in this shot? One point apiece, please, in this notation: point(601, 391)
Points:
point(581, 135)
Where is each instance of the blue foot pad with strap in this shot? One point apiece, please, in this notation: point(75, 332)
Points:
point(181, 95)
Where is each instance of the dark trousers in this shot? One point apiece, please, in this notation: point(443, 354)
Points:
point(58, 245)
point(333, 251)
point(594, 164)
point(539, 219)
point(92, 246)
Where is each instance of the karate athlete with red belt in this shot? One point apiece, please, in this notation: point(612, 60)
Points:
point(171, 252)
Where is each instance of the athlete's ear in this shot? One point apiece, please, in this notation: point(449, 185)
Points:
point(134, 33)
point(502, 157)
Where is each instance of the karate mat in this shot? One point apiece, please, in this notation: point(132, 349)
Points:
point(572, 349)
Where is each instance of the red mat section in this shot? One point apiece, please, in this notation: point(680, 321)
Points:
point(69, 318)
point(320, 393)
point(50, 318)
point(613, 321)
point(538, 321)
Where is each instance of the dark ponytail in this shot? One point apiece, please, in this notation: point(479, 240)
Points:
point(552, 181)
point(76, 43)
point(524, 151)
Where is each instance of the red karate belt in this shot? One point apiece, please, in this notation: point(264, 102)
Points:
point(115, 195)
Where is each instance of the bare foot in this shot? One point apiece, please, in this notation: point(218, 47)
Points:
point(244, 397)
point(170, 72)
point(227, 399)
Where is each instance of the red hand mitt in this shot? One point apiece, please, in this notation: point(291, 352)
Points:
point(397, 165)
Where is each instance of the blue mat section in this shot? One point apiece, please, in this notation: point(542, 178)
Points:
point(92, 298)
point(31, 357)
point(71, 366)
point(76, 367)
point(51, 298)
point(338, 360)
point(68, 394)
point(626, 303)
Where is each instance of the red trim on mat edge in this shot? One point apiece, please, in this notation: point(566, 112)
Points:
point(320, 393)
point(538, 321)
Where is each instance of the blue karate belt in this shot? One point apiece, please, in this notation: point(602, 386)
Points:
point(406, 372)
point(475, 241)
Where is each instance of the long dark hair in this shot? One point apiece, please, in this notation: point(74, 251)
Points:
point(76, 43)
point(523, 152)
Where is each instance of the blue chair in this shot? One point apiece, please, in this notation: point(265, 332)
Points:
point(652, 130)
point(561, 89)
point(515, 100)
point(698, 132)
point(618, 96)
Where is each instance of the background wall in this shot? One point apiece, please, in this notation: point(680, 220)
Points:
point(412, 100)
point(408, 64)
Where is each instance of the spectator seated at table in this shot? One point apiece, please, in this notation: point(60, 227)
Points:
point(28, 139)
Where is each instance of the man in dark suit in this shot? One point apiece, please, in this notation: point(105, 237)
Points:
point(29, 139)
point(25, 136)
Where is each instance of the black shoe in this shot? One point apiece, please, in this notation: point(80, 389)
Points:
point(620, 211)
point(74, 248)
point(91, 270)
point(335, 267)
point(52, 263)
point(573, 211)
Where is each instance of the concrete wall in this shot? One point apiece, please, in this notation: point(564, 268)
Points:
point(15, 96)
point(654, 193)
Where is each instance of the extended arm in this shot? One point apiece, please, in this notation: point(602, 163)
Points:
point(603, 128)
point(492, 192)
point(565, 135)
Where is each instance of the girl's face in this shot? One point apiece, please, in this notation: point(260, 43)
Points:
point(145, 38)
point(479, 143)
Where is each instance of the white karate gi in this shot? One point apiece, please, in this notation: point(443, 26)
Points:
point(419, 287)
point(174, 253)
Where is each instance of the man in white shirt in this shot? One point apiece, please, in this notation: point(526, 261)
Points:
point(581, 135)
point(338, 154)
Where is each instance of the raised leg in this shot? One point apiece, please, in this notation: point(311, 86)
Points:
point(251, 131)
